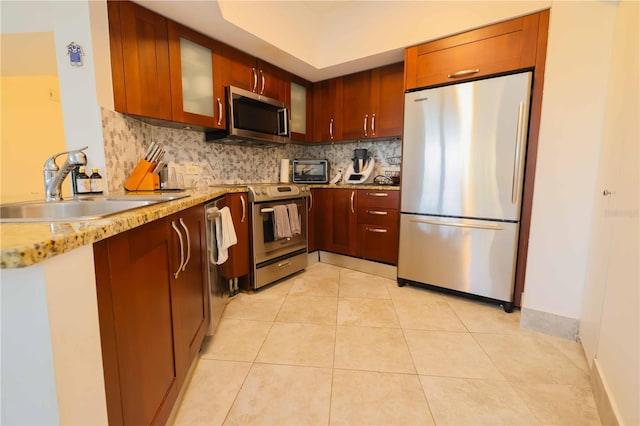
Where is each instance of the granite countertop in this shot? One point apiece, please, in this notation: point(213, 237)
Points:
point(25, 244)
point(355, 186)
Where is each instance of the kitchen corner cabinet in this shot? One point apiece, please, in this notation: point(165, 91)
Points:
point(506, 46)
point(249, 73)
point(139, 61)
point(197, 93)
point(378, 225)
point(372, 103)
point(238, 263)
point(328, 110)
point(151, 286)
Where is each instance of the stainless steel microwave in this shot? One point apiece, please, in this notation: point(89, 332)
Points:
point(310, 171)
point(253, 119)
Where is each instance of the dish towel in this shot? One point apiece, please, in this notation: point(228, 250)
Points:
point(294, 218)
point(282, 228)
point(225, 235)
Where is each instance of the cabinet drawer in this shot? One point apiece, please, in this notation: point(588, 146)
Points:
point(502, 47)
point(378, 198)
point(378, 243)
point(378, 216)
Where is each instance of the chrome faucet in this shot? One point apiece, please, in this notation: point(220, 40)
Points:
point(54, 175)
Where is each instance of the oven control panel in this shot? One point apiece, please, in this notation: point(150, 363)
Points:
point(267, 192)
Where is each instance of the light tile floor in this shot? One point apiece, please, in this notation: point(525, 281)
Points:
point(335, 346)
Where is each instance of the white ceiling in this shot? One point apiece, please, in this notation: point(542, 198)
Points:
point(323, 39)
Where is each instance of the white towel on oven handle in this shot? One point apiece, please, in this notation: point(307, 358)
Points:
point(282, 228)
point(225, 234)
point(294, 218)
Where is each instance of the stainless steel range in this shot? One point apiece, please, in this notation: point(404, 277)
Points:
point(279, 225)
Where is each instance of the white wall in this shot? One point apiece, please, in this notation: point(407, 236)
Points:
point(573, 110)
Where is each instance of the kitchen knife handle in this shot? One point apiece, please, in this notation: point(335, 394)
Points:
point(175, 228)
point(331, 128)
point(457, 225)
point(517, 155)
point(219, 112)
point(353, 194)
point(463, 73)
point(186, 231)
point(244, 208)
point(366, 118)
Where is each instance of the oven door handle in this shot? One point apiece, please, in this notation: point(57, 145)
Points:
point(266, 210)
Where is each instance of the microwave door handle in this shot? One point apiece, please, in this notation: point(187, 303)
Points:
point(283, 123)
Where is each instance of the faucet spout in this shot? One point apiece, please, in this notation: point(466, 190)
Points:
point(54, 175)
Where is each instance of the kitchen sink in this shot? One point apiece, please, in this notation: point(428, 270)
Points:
point(80, 209)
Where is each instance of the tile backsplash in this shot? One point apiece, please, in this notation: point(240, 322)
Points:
point(126, 140)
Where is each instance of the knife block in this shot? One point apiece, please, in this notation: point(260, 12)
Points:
point(141, 179)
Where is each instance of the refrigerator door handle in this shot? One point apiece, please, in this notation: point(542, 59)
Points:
point(458, 225)
point(517, 155)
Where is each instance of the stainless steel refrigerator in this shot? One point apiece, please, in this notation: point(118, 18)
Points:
point(463, 157)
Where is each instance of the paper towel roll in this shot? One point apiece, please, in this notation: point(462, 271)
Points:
point(284, 170)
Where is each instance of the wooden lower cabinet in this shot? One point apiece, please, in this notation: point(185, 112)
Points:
point(338, 227)
point(314, 199)
point(152, 322)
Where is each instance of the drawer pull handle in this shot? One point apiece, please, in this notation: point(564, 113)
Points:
point(377, 213)
point(284, 264)
point(462, 73)
point(378, 230)
point(378, 194)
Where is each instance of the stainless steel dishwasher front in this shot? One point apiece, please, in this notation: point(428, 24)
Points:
point(218, 290)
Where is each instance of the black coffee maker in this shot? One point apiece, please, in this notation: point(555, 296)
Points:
point(360, 157)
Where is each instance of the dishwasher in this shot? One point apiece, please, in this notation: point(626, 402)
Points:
point(218, 291)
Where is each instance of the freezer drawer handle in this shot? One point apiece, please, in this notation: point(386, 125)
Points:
point(381, 231)
point(377, 213)
point(463, 73)
point(459, 225)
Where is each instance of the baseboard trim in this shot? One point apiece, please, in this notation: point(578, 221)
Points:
point(548, 323)
point(600, 390)
point(366, 266)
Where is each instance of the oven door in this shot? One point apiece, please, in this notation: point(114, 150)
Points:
point(265, 245)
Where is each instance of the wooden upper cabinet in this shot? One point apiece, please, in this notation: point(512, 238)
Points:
point(507, 46)
point(139, 60)
point(197, 92)
point(301, 108)
point(327, 97)
point(372, 103)
point(249, 73)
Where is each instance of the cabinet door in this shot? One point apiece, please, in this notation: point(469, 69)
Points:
point(301, 109)
point(136, 324)
point(507, 46)
point(238, 263)
point(189, 285)
point(314, 199)
point(356, 111)
point(273, 82)
point(341, 233)
point(328, 107)
point(239, 69)
point(196, 83)
point(139, 61)
point(387, 101)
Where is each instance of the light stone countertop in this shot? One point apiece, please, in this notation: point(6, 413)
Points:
point(25, 244)
point(355, 186)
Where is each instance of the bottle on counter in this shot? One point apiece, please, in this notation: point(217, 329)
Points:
point(83, 182)
point(96, 182)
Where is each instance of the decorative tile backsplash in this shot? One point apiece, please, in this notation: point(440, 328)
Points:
point(126, 140)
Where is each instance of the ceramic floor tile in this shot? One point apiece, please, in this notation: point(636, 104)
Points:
point(441, 353)
point(455, 401)
point(412, 293)
point(358, 284)
point(430, 315)
point(367, 312)
point(211, 392)
point(481, 317)
point(236, 340)
point(253, 307)
point(372, 349)
point(299, 344)
point(530, 359)
point(310, 285)
point(370, 398)
point(277, 290)
point(560, 404)
point(323, 270)
point(571, 349)
point(283, 395)
point(309, 309)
